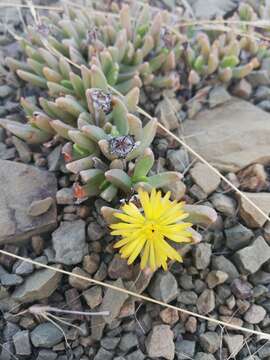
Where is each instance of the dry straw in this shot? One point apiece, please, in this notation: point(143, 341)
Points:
point(190, 150)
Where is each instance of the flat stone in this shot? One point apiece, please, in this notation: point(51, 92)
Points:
point(214, 8)
point(215, 278)
point(118, 268)
point(252, 217)
point(232, 135)
point(163, 287)
point(218, 96)
point(91, 263)
point(204, 177)
point(5, 91)
point(22, 343)
point(187, 297)
point(224, 204)
point(204, 356)
point(103, 354)
point(210, 341)
point(93, 296)
point(251, 258)
point(31, 184)
point(95, 231)
point(242, 89)
point(259, 78)
point(234, 343)
point(202, 255)
point(223, 264)
point(39, 285)
point(135, 355)
point(178, 159)
point(159, 342)
point(255, 314)
point(238, 237)
point(206, 302)
point(128, 341)
point(241, 289)
point(46, 355)
point(185, 349)
point(46, 335)
point(11, 279)
point(23, 149)
point(65, 196)
point(69, 242)
point(39, 207)
point(79, 283)
point(113, 301)
point(23, 268)
point(110, 343)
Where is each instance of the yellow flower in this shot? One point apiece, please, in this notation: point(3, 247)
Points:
point(145, 231)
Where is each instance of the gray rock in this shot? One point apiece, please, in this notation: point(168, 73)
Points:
point(202, 255)
point(55, 159)
point(215, 278)
point(205, 178)
point(10, 330)
point(214, 8)
point(31, 185)
point(118, 268)
point(260, 277)
point(186, 282)
point(5, 91)
point(103, 354)
point(23, 268)
point(187, 297)
point(110, 343)
point(159, 342)
point(135, 355)
point(11, 279)
point(163, 287)
point(210, 341)
point(242, 89)
point(223, 264)
point(113, 301)
point(262, 93)
point(185, 349)
point(65, 196)
point(223, 204)
point(230, 144)
point(7, 351)
point(252, 217)
point(23, 149)
point(69, 242)
point(95, 231)
point(258, 78)
point(264, 105)
point(39, 285)
point(40, 207)
point(206, 302)
point(204, 356)
point(241, 289)
point(251, 258)
point(218, 96)
point(22, 343)
point(255, 314)
point(234, 343)
point(178, 159)
point(128, 341)
point(46, 335)
point(238, 237)
point(93, 296)
point(264, 351)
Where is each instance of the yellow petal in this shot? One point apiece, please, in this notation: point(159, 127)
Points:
point(137, 251)
point(128, 218)
point(145, 255)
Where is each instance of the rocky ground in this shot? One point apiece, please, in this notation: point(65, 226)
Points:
point(226, 276)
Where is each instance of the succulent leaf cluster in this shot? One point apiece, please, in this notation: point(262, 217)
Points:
point(85, 60)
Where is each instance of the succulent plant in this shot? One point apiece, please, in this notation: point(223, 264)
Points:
point(130, 52)
point(106, 144)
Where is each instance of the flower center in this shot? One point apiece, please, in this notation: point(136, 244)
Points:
point(150, 228)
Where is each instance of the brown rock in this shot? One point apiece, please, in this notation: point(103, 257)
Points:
point(252, 217)
point(205, 178)
point(21, 185)
point(169, 316)
point(93, 296)
point(253, 178)
point(159, 342)
point(118, 268)
point(78, 283)
point(231, 136)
